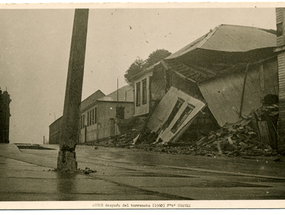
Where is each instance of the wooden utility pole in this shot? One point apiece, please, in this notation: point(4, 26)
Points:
point(71, 113)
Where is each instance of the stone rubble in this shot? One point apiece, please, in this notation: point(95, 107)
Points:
point(241, 139)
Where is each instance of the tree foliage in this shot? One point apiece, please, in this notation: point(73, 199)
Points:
point(156, 56)
point(139, 65)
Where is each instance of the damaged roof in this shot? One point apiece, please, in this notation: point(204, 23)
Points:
point(148, 69)
point(231, 38)
point(229, 49)
point(225, 49)
point(192, 73)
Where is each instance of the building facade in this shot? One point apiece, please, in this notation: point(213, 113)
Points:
point(280, 24)
point(55, 131)
point(4, 116)
point(149, 87)
point(102, 119)
point(101, 116)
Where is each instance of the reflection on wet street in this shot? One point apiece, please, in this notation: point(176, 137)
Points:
point(128, 174)
point(66, 184)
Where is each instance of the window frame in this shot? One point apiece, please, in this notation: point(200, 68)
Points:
point(138, 94)
point(173, 113)
point(184, 115)
point(144, 91)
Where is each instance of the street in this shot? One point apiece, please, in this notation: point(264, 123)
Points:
point(131, 174)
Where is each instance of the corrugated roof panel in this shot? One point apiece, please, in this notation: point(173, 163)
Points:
point(231, 38)
point(189, 47)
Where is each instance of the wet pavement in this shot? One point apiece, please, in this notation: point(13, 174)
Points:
point(130, 174)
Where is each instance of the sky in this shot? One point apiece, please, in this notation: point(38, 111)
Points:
point(35, 47)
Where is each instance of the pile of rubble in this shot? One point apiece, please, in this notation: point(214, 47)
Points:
point(131, 129)
point(236, 140)
point(255, 135)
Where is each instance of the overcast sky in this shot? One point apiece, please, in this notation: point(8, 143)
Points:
point(35, 46)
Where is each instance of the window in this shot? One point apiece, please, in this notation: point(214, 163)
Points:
point(120, 112)
point(82, 120)
point(138, 94)
point(92, 117)
point(173, 113)
point(88, 117)
point(95, 115)
point(182, 118)
point(144, 92)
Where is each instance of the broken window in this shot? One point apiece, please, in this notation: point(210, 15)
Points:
point(144, 92)
point(120, 112)
point(173, 113)
point(182, 117)
point(138, 94)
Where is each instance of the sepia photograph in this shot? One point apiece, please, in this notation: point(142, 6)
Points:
point(142, 106)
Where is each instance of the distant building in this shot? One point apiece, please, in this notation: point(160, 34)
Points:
point(55, 131)
point(100, 116)
point(55, 127)
point(4, 116)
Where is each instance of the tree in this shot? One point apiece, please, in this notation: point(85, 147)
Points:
point(156, 56)
point(139, 65)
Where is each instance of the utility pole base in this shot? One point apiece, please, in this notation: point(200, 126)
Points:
point(66, 161)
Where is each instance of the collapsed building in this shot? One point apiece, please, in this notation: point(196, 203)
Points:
point(219, 92)
point(218, 79)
